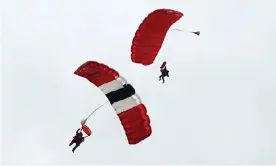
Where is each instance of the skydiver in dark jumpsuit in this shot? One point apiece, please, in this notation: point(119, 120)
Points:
point(164, 72)
point(77, 139)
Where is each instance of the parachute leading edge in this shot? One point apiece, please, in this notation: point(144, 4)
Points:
point(127, 104)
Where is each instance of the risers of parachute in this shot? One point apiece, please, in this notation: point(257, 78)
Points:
point(123, 98)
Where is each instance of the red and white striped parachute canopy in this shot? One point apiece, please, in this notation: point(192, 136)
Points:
point(123, 98)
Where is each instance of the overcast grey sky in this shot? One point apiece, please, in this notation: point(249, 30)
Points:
point(218, 106)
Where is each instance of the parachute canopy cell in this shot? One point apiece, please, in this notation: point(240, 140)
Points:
point(150, 35)
point(86, 130)
point(126, 103)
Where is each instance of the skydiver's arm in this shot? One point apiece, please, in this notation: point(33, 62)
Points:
point(77, 131)
point(82, 139)
point(163, 67)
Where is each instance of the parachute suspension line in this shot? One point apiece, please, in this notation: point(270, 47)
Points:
point(84, 120)
point(95, 110)
point(178, 30)
point(181, 30)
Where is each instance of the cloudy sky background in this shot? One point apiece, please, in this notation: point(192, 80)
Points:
point(218, 106)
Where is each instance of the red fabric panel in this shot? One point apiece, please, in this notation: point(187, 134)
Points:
point(97, 73)
point(136, 124)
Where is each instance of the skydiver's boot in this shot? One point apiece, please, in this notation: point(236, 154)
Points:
point(71, 143)
point(77, 145)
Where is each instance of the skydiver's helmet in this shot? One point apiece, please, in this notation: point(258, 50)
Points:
point(163, 65)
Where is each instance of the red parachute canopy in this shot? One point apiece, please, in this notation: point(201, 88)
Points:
point(150, 35)
point(121, 95)
point(86, 130)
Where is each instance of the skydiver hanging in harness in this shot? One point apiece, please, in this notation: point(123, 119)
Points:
point(77, 139)
point(164, 72)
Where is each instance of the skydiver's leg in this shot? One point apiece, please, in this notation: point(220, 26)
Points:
point(163, 79)
point(163, 74)
point(71, 143)
point(160, 75)
point(77, 145)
